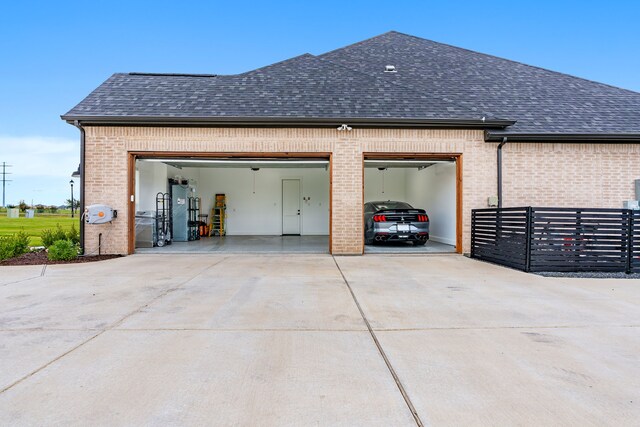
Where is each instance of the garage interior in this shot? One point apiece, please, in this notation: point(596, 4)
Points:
point(245, 205)
point(424, 183)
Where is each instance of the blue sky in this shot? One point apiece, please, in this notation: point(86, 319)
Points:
point(54, 53)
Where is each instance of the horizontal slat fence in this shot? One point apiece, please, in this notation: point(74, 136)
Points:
point(635, 243)
point(558, 239)
point(499, 235)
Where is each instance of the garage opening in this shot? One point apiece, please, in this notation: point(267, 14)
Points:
point(411, 204)
point(232, 204)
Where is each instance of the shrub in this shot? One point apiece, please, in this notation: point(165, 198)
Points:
point(73, 235)
point(53, 209)
point(63, 250)
point(13, 246)
point(49, 236)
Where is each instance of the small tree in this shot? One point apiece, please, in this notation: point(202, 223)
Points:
point(53, 209)
point(23, 206)
point(76, 204)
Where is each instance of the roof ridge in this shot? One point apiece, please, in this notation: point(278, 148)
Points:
point(413, 89)
point(171, 74)
point(506, 59)
point(304, 55)
point(359, 42)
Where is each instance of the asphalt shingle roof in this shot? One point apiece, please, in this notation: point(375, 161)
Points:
point(304, 86)
point(541, 101)
point(433, 81)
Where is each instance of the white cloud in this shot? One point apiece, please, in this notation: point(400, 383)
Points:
point(40, 155)
point(41, 168)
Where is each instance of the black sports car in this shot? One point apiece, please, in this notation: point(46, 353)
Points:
point(393, 222)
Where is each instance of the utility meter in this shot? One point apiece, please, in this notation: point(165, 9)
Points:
point(98, 214)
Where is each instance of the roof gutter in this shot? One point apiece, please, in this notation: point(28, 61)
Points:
point(289, 122)
point(611, 138)
point(77, 124)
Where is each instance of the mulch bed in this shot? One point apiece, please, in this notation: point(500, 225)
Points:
point(40, 258)
point(590, 275)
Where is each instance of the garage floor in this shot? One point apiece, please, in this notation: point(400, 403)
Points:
point(407, 248)
point(246, 244)
point(285, 244)
point(282, 340)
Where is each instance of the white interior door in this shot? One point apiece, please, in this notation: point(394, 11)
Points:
point(291, 206)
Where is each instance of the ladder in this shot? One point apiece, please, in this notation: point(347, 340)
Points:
point(219, 216)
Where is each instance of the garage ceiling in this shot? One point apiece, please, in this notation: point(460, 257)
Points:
point(402, 163)
point(261, 163)
point(284, 163)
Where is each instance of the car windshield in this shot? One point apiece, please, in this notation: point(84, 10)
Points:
point(392, 205)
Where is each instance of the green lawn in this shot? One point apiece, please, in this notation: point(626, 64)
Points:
point(34, 226)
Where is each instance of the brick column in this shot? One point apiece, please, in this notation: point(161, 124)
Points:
point(347, 203)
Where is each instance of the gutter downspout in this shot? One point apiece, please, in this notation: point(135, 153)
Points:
point(77, 124)
point(504, 141)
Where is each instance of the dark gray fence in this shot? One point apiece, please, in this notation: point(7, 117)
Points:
point(635, 243)
point(558, 239)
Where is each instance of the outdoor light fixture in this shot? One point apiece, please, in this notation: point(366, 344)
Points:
point(76, 173)
point(344, 127)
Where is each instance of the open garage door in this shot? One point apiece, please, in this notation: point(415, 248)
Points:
point(206, 204)
point(412, 204)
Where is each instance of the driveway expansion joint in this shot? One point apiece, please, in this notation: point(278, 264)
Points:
point(112, 326)
point(19, 281)
point(386, 360)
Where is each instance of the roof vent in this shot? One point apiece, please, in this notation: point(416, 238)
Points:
point(390, 69)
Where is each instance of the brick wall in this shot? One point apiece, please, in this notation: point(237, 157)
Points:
point(569, 175)
point(534, 174)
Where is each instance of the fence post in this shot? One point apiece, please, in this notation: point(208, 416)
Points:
point(629, 241)
point(528, 232)
point(473, 233)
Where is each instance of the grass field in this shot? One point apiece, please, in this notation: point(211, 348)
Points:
point(34, 226)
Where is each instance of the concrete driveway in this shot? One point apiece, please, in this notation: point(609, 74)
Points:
point(309, 340)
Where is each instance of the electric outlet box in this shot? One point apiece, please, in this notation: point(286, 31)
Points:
point(98, 214)
point(492, 201)
point(631, 204)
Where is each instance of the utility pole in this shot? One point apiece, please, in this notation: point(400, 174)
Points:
point(4, 181)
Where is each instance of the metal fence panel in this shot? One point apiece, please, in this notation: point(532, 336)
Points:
point(558, 239)
point(635, 243)
point(500, 236)
point(568, 239)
